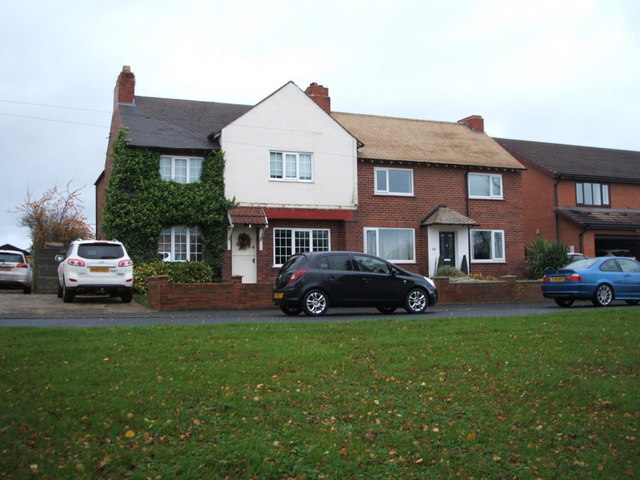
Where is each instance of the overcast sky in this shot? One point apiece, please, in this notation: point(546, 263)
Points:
point(562, 71)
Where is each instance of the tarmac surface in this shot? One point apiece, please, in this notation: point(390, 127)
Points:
point(47, 310)
point(14, 302)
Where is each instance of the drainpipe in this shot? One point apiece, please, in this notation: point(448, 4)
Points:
point(466, 196)
point(555, 205)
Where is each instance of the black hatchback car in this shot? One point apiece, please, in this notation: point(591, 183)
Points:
point(313, 281)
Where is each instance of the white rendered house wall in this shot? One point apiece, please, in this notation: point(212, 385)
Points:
point(289, 121)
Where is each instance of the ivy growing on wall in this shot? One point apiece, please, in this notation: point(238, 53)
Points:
point(139, 204)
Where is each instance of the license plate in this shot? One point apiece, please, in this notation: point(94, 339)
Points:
point(5, 269)
point(278, 295)
point(99, 269)
point(557, 279)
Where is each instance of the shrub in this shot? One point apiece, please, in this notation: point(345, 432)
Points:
point(448, 271)
point(541, 255)
point(178, 272)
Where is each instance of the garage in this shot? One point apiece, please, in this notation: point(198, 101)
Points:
point(618, 245)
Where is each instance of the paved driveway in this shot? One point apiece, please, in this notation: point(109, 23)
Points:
point(16, 303)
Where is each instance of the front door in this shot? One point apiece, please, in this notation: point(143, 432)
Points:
point(447, 249)
point(243, 254)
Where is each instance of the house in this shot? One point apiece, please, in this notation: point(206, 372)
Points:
point(587, 198)
point(443, 191)
point(419, 193)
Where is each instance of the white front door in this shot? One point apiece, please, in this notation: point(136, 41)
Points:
point(243, 254)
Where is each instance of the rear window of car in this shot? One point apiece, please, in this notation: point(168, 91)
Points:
point(100, 251)
point(581, 264)
point(294, 263)
point(11, 257)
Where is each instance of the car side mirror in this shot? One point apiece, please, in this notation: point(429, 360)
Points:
point(59, 258)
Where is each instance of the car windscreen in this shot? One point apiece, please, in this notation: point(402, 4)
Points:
point(11, 257)
point(100, 251)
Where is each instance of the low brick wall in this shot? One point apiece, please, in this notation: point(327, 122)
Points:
point(234, 295)
point(503, 291)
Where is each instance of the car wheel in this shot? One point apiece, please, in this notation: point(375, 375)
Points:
point(315, 303)
point(293, 311)
point(602, 296)
point(126, 297)
point(59, 291)
point(386, 309)
point(26, 290)
point(67, 295)
point(564, 302)
point(632, 302)
point(416, 301)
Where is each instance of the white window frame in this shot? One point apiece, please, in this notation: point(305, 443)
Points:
point(493, 195)
point(319, 243)
point(372, 244)
point(498, 251)
point(193, 168)
point(385, 189)
point(192, 240)
point(289, 167)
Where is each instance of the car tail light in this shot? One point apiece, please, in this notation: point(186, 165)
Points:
point(22, 265)
point(125, 263)
point(297, 275)
point(74, 262)
point(574, 277)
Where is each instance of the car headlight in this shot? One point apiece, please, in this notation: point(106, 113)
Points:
point(430, 282)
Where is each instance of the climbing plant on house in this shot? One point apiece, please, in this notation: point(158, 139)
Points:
point(139, 204)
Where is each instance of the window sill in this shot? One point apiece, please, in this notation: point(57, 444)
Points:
point(384, 194)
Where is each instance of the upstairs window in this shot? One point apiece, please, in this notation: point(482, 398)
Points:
point(393, 181)
point(180, 169)
point(595, 194)
point(294, 167)
point(485, 186)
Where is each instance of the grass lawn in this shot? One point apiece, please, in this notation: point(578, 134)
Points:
point(544, 396)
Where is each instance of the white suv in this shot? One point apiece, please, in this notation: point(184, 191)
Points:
point(95, 267)
point(15, 272)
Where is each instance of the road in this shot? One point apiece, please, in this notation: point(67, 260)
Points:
point(49, 311)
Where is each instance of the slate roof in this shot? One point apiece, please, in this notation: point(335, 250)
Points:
point(423, 141)
point(576, 162)
point(177, 124)
point(443, 215)
point(609, 219)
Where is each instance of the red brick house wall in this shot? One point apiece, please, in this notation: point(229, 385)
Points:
point(434, 186)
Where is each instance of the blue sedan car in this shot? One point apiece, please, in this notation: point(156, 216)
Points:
point(600, 279)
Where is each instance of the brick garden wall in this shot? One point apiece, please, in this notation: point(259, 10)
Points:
point(234, 295)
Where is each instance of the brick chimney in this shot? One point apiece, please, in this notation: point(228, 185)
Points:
point(474, 122)
point(125, 86)
point(320, 95)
